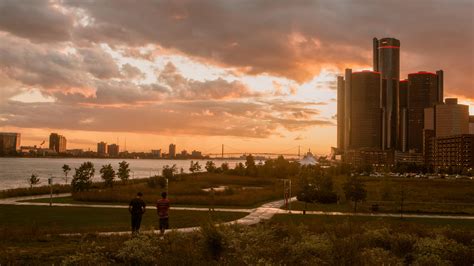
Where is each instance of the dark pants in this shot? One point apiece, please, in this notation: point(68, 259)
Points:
point(136, 221)
point(164, 224)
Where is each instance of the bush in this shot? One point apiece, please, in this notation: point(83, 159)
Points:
point(156, 181)
point(88, 253)
point(213, 241)
point(140, 250)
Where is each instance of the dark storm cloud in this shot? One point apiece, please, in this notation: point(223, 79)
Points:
point(295, 39)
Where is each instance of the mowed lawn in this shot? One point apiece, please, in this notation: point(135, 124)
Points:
point(319, 222)
point(437, 196)
point(47, 219)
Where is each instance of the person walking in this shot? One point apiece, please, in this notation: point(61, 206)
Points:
point(162, 208)
point(137, 208)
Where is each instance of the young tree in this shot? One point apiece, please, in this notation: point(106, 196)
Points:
point(225, 167)
point(355, 190)
point(210, 167)
point(66, 170)
point(82, 179)
point(33, 180)
point(194, 167)
point(250, 167)
point(107, 174)
point(169, 171)
point(123, 171)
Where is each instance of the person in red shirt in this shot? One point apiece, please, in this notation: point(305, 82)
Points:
point(162, 208)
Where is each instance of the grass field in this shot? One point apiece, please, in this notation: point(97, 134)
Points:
point(439, 196)
point(242, 191)
point(44, 219)
point(319, 222)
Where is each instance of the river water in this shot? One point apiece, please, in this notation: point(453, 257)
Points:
point(14, 172)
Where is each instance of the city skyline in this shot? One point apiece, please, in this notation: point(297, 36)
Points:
point(200, 82)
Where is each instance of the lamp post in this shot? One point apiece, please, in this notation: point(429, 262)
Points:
point(50, 183)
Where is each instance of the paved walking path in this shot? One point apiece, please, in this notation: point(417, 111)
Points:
point(255, 216)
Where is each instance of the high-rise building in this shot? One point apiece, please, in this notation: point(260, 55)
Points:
point(172, 151)
point(57, 143)
point(156, 153)
point(102, 148)
point(471, 124)
point(403, 103)
point(113, 150)
point(9, 143)
point(451, 118)
point(423, 92)
point(386, 53)
point(365, 112)
point(340, 113)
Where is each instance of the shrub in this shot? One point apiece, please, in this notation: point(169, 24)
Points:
point(140, 250)
point(379, 256)
point(214, 241)
point(156, 181)
point(88, 253)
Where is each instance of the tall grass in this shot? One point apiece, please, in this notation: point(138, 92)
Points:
point(188, 190)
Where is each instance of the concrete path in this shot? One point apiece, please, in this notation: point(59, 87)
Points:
point(24, 201)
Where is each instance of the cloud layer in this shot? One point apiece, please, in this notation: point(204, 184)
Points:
point(62, 49)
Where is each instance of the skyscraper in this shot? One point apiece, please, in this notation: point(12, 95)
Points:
point(403, 104)
point(423, 92)
point(340, 112)
point(9, 143)
point(172, 151)
point(57, 143)
point(386, 53)
point(102, 148)
point(113, 150)
point(364, 114)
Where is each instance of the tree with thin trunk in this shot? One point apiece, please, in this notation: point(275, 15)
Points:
point(354, 190)
point(124, 171)
point(82, 179)
point(33, 180)
point(66, 170)
point(107, 174)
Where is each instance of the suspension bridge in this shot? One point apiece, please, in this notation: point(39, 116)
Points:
point(227, 151)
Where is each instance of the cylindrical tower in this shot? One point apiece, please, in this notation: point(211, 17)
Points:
point(389, 68)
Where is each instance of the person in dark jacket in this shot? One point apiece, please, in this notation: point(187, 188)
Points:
point(137, 208)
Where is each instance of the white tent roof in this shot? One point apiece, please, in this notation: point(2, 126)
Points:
point(308, 159)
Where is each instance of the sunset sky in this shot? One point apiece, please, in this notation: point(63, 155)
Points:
point(258, 76)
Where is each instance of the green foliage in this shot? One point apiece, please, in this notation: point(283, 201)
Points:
point(194, 167)
point(82, 179)
point(213, 241)
point(157, 181)
point(210, 167)
point(250, 167)
point(88, 253)
point(33, 180)
point(169, 172)
point(354, 190)
point(66, 168)
point(107, 174)
point(225, 167)
point(314, 186)
point(140, 250)
point(123, 171)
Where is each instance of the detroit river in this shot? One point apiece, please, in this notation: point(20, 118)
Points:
point(14, 172)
